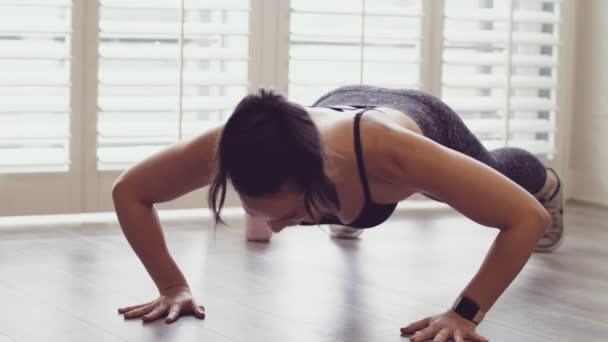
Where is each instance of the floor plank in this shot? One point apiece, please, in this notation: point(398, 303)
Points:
point(66, 283)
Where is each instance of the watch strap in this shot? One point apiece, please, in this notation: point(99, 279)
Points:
point(468, 309)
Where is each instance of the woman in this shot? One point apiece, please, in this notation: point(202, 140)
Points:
point(295, 165)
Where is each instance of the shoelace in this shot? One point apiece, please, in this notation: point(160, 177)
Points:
point(555, 215)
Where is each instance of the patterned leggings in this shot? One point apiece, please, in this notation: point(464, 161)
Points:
point(441, 124)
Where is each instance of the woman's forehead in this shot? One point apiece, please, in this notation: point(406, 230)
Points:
point(271, 205)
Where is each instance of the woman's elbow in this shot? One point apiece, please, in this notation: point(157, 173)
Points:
point(120, 189)
point(540, 219)
point(545, 217)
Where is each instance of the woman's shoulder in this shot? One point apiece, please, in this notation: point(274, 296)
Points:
point(375, 124)
point(378, 138)
point(375, 131)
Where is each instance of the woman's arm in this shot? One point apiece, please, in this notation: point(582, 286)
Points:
point(141, 227)
point(477, 191)
point(166, 175)
point(505, 259)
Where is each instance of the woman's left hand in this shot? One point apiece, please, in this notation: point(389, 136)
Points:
point(442, 327)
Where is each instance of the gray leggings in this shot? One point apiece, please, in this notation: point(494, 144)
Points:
point(441, 124)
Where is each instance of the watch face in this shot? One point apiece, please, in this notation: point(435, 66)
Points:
point(467, 308)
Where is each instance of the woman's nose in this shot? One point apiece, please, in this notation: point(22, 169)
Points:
point(275, 226)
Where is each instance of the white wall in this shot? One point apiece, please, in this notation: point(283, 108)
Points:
point(588, 162)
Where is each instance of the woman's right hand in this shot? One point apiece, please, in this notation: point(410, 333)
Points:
point(257, 230)
point(173, 302)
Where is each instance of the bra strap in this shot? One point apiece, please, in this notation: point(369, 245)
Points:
point(359, 155)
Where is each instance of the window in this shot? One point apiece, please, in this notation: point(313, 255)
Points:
point(335, 43)
point(88, 88)
point(500, 63)
point(498, 59)
point(165, 73)
point(35, 42)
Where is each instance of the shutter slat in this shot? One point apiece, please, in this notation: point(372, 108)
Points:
point(385, 83)
point(231, 5)
point(15, 132)
point(39, 25)
point(163, 103)
point(345, 56)
point(354, 41)
point(6, 142)
point(532, 104)
point(475, 104)
point(164, 29)
point(126, 52)
point(22, 79)
point(42, 104)
point(353, 36)
point(35, 50)
point(132, 129)
point(168, 78)
point(199, 103)
point(485, 126)
point(20, 159)
point(126, 142)
point(37, 3)
point(482, 81)
point(36, 168)
point(369, 11)
point(501, 16)
point(453, 37)
point(471, 58)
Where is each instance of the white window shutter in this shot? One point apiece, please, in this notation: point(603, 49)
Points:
point(333, 43)
point(168, 70)
point(500, 63)
point(35, 64)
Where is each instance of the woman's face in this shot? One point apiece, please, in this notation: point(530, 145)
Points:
point(280, 210)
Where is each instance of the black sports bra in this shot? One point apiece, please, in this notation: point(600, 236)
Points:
point(371, 214)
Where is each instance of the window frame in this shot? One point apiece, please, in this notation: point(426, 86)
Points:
point(85, 189)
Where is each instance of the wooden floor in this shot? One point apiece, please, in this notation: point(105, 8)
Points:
point(65, 284)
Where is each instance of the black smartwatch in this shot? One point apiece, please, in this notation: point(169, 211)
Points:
point(466, 308)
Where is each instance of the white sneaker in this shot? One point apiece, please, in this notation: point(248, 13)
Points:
point(554, 235)
point(343, 232)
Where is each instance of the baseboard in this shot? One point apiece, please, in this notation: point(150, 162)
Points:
point(233, 216)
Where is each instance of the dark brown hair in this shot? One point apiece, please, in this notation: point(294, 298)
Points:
point(266, 142)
